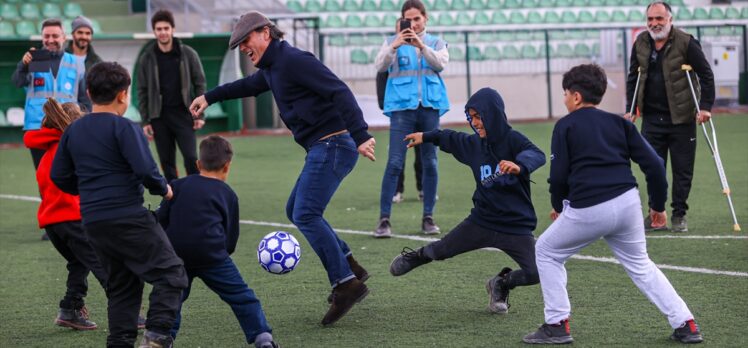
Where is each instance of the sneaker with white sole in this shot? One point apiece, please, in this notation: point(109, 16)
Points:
point(679, 223)
point(498, 292)
point(428, 226)
point(398, 197)
point(550, 334)
point(687, 333)
point(407, 261)
point(384, 228)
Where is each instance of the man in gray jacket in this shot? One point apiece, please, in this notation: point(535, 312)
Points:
point(170, 75)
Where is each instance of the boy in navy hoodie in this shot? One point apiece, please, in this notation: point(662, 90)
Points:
point(594, 195)
point(105, 158)
point(503, 216)
point(202, 222)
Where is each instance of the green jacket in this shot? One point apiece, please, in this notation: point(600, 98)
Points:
point(679, 98)
point(91, 56)
point(191, 74)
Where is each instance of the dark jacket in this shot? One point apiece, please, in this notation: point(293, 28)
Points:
point(313, 102)
point(149, 93)
point(106, 159)
point(501, 202)
point(591, 153)
point(91, 56)
point(201, 220)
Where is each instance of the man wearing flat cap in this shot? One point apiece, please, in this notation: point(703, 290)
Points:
point(322, 113)
point(81, 45)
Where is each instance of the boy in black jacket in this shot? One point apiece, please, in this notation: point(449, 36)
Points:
point(503, 216)
point(105, 158)
point(202, 222)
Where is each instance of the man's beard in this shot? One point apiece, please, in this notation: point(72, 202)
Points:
point(663, 34)
point(80, 45)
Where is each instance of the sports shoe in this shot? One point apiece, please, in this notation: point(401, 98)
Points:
point(688, 333)
point(408, 260)
point(398, 197)
point(550, 334)
point(360, 273)
point(155, 340)
point(679, 224)
point(498, 292)
point(428, 226)
point(384, 229)
point(648, 226)
point(74, 319)
point(265, 340)
point(344, 296)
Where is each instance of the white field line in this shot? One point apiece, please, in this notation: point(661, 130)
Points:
point(428, 239)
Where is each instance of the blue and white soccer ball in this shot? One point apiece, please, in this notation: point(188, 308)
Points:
point(278, 252)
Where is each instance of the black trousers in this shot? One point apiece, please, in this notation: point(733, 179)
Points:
point(36, 156)
point(468, 236)
point(71, 242)
point(680, 142)
point(133, 250)
point(172, 130)
point(418, 170)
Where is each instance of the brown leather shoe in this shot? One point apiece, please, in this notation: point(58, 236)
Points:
point(344, 296)
point(358, 271)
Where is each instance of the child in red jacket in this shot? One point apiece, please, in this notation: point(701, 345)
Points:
point(59, 214)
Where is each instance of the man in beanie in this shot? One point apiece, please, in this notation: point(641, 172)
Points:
point(81, 44)
point(170, 75)
point(326, 121)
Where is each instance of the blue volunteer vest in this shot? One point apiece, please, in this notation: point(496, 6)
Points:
point(44, 85)
point(412, 80)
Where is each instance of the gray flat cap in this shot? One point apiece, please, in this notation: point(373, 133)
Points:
point(248, 22)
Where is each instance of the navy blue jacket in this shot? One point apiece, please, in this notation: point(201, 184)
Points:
point(501, 202)
point(106, 159)
point(201, 220)
point(313, 102)
point(591, 153)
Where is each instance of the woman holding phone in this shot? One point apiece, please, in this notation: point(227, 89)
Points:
point(415, 97)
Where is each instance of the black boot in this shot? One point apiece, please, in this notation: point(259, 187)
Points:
point(155, 340)
point(74, 319)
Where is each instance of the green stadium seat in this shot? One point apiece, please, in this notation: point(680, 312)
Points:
point(388, 6)
point(72, 10)
point(676, 3)
point(619, 16)
point(716, 13)
point(612, 2)
point(478, 5)
point(7, 30)
point(732, 13)
point(602, 16)
point(522, 35)
point(700, 14)
point(491, 53)
point(576, 34)
point(463, 19)
point(29, 11)
point(552, 17)
point(534, 17)
point(512, 4)
point(542, 49)
point(510, 52)
point(596, 49)
point(592, 34)
point(50, 10)
point(333, 21)
point(26, 28)
point(516, 17)
point(629, 2)
point(493, 5)
point(369, 6)
point(459, 5)
point(359, 56)
point(585, 16)
point(596, 3)
point(351, 6)
point(563, 50)
point(499, 17)
point(356, 40)
point(474, 53)
point(332, 6)
point(564, 3)
point(313, 6)
point(441, 5)
point(537, 35)
point(582, 50)
point(579, 3)
point(568, 17)
point(390, 20)
point(481, 18)
point(637, 16)
point(453, 37)
point(486, 36)
point(372, 21)
point(546, 3)
point(529, 52)
point(373, 54)
point(295, 6)
point(556, 35)
point(352, 20)
point(456, 54)
point(744, 13)
point(505, 36)
point(684, 14)
point(336, 40)
point(710, 31)
point(445, 20)
point(9, 12)
point(374, 39)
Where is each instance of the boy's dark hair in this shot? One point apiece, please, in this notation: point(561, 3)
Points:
point(416, 4)
point(53, 22)
point(215, 152)
point(162, 16)
point(105, 80)
point(588, 80)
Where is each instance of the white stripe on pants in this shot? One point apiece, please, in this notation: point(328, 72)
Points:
point(619, 222)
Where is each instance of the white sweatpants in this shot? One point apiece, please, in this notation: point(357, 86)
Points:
point(619, 221)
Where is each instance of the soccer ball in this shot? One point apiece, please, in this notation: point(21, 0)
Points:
point(278, 252)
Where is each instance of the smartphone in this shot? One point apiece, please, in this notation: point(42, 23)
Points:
point(40, 55)
point(404, 25)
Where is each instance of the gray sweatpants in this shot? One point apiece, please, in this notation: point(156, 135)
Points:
point(619, 222)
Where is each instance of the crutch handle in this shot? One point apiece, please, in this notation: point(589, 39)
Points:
point(736, 227)
point(726, 191)
point(686, 67)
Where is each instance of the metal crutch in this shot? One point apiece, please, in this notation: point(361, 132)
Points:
point(636, 90)
point(712, 142)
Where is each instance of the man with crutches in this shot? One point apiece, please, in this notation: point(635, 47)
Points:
point(659, 89)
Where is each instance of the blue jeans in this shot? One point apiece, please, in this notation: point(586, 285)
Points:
point(226, 281)
point(403, 123)
point(327, 163)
